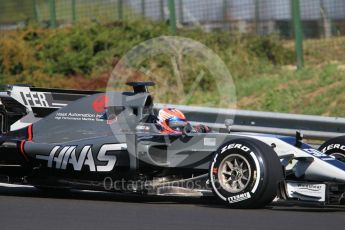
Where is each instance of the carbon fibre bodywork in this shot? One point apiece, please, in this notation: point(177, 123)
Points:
point(114, 136)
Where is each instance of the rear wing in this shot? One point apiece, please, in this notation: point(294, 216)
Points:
point(22, 105)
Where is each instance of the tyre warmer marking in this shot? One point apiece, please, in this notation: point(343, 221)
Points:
point(22, 143)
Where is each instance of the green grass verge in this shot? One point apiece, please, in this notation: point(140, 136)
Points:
point(262, 67)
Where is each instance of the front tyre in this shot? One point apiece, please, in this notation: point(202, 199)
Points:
point(335, 147)
point(245, 173)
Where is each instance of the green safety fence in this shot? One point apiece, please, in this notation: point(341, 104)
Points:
point(319, 18)
point(302, 20)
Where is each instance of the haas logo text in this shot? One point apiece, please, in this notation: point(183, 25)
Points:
point(60, 157)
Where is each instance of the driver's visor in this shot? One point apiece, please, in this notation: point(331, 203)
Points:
point(177, 124)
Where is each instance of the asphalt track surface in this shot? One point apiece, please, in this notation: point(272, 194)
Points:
point(29, 208)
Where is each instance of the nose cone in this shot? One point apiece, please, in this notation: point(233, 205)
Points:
point(328, 169)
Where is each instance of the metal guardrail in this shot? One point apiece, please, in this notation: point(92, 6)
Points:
point(312, 127)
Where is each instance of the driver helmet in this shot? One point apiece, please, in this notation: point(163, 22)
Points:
point(172, 120)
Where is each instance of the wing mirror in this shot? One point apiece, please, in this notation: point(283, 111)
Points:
point(228, 123)
point(299, 139)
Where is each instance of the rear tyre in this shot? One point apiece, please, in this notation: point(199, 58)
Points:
point(245, 173)
point(335, 147)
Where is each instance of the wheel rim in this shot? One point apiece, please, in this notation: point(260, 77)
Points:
point(234, 173)
point(339, 156)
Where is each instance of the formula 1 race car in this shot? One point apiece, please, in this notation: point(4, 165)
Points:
point(58, 139)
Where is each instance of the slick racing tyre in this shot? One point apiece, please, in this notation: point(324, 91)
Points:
point(335, 147)
point(245, 173)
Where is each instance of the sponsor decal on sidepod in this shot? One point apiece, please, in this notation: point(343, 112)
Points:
point(61, 157)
